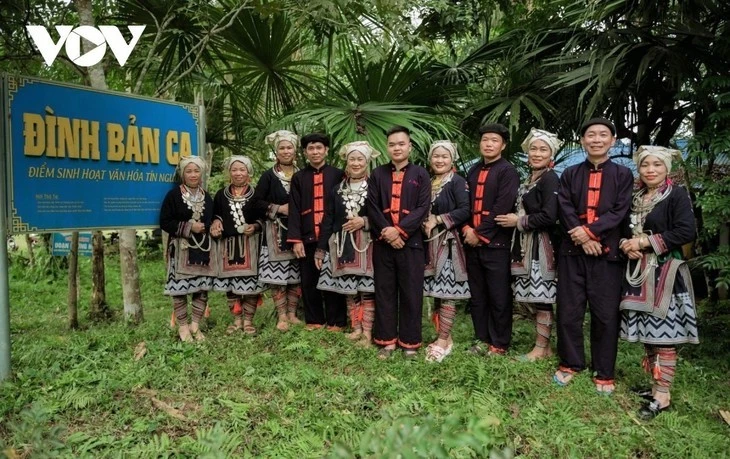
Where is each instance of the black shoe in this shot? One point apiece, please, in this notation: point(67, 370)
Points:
point(650, 410)
point(643, 392)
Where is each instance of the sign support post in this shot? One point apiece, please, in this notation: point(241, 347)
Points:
point(4, 285)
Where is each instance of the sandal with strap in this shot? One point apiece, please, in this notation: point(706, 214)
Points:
point(410, 353)
point(604, 386)
point(385, 353)
point(563, 376)
point(249, 330)
point(651, 410)
point(481, 349)
point(437, 353)
point(644, 392)
point(231, 329)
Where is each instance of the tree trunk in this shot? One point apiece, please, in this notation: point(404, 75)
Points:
point(98, 309)
point(31, 253)
point(130, 276)
point(73, 298)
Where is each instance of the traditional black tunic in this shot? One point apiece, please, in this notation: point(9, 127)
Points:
point(446, 276)
point(277, 264)
point(189, 263)
point(493, 188)
point(400, 199)
point(597, 198)
point(237, 253)
point(533, 255)
point(309, 187)
point(661, 311)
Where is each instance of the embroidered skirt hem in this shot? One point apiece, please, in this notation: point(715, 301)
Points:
point(444, 284)
point(349, 284)
point(535, 289)
point(277, 272)
point(678, 327)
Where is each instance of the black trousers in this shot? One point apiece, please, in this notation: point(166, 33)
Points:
point(583, 280)
point(398, 275)
point(491, 294)
point(334, 311)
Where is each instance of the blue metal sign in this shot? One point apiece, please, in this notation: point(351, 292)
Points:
point(79, 158)
point(61, 244)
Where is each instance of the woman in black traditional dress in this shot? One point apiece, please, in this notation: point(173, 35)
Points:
point(278, 266)
point(236, 222)
point(344, 253)
point(658, 304)
point(186, 215)
point(533, 257)
point(445, 278)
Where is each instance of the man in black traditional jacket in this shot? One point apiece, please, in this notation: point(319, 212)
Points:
point(309, 186)
point(493, 183)
point(399, 199)
point(594, 199)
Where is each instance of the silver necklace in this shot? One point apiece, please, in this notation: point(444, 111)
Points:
point(236, 204)
point(194, 198)
point(354, 198)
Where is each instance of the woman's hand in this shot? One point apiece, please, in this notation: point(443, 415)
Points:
point(198, 227)
point(216, 229)
point(429, 225)
point(353, 224)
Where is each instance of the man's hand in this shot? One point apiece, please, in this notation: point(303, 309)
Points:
point(398, 243)
point(283, 209)
point(389, 234)
point(298, 249)
point(471, 237)
point(579, 235)
point(506, 220)
point(592, 248)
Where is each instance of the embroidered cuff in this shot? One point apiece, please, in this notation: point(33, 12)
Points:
point(271, 211)
point(657, 243)
point(184, 229)
point(295, 241)
point(403, 234)
point(522, 223)
point(590, 234)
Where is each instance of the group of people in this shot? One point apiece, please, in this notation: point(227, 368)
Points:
point(368, 243)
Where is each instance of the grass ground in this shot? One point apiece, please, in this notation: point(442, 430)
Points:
point(312, 394)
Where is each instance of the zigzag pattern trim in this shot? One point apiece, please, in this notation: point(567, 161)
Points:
point(678, 327)
point(277, 272)
point(175, 287)
point(244, 285)
point(444, 285)
point(535, 289)
point(347, 284)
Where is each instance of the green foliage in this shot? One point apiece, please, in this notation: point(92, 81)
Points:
point(34, 434)
point(718, 261)
point(454, 436)
point(314, 394)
